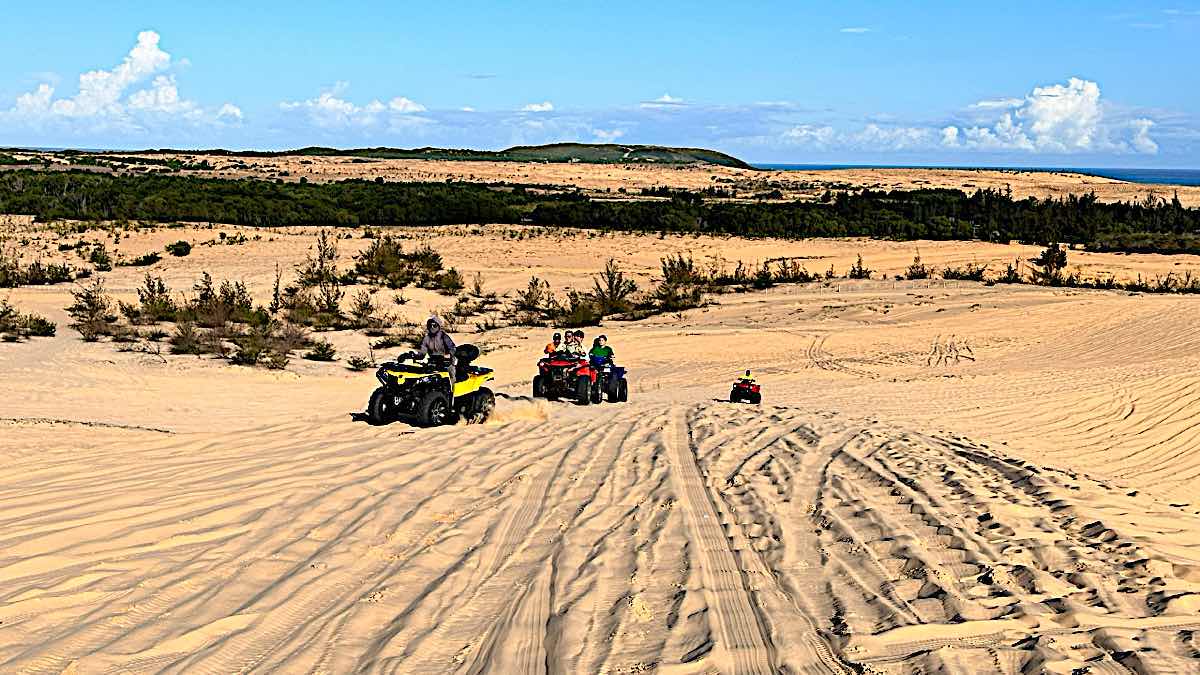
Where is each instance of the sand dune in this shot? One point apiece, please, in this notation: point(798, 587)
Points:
point(942, 478)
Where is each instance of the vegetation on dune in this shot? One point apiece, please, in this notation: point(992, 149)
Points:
point(1150, 224)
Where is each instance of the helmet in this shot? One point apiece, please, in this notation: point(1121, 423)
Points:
point(557, 337)
point(579, 334)
point(433, 324)
point(747, 373)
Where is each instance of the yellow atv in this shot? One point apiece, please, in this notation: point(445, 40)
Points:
point(424, 391)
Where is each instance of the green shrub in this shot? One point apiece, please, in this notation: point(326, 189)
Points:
point(91, 311)
point(323, 350)
point(179, 249)
point(100, 259)
point(142, 260)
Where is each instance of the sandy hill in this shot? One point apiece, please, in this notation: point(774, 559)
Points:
point(943, 477)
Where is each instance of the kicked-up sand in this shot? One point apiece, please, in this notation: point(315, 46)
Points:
point(942, 477)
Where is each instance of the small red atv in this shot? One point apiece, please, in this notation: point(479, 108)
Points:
point(745, 390)
point(564, 375)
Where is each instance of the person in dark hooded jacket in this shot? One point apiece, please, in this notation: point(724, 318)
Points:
point(437, 342)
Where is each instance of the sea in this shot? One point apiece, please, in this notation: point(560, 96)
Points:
point(1160, 176)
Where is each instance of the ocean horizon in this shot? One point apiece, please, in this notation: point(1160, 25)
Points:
point(1152, 176)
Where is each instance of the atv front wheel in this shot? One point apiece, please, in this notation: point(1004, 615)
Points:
point(734, 396)
point(583, 390)
point(433, 409)
point(539, 386)
point(622, 391)
point(597, 394)
point(382, 407)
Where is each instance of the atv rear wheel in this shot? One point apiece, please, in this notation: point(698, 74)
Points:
point(433, 409)
point(483, 402)
point(539, 386)
point(382, 407)
point(756, 398)
point(597, 394)
point(622, 391)
point(583, 390)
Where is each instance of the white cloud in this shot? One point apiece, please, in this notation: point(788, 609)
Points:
point(100, 91)
point(664, 101)
point(807, 134)
point(328, 110)
point(950, 137)
point(229, 111)
point(857, 30)
point(608, 136)
point(1141, 140)
point(544, 106)
point(1058, 118)
point(875, 137)
point(132, 97)
point(404, 105)
point(997, 103)
point(467, 108)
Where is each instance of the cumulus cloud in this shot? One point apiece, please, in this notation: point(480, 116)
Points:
point(607, 135)
point(230, 111)
point(1057, 118)
point(544, 106)
point(807, 134)
point(330, 111)
point(133, 96)
point(872, 137)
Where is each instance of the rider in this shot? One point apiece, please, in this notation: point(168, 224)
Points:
point(555, 344)
point(600, 350)
point(437, 342)
point(747, 378)
point(575, 345)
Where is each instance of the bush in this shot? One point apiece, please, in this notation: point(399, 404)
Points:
point(359, 363)
point(859, 270)
point(100, 259)
point(1012, 273)
point(142, 261)
point(362, 308)
point(322, 351)
point(15, 326)
point(92, 311)
point(320, 266)
point(187, 339)
point(1052, 261)
point(179, 249)
point(917, 270)
point(35, 274)
point(971, 272)
point(612, 291)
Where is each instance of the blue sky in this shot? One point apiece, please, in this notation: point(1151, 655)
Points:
point(1018, 83)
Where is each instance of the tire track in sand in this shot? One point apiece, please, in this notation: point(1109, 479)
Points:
point(742, 635)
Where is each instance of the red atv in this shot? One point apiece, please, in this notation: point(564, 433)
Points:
point(745, 390)
point(564, 375)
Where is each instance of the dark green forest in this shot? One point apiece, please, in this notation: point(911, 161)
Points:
point(1147, 225)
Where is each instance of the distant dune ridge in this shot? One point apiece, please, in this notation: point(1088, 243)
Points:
point(590, 153)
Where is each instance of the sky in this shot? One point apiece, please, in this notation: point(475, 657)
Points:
point(1061, 83)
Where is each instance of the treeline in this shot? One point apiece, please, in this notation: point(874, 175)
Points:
point(1152, 224)
point(158, 198)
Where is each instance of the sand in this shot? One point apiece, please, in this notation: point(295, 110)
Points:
point(943, 477)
